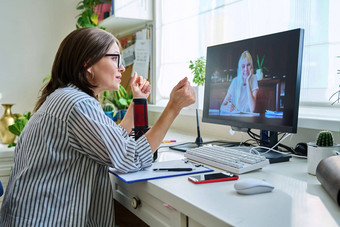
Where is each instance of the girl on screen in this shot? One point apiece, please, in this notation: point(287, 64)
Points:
point(241, 95)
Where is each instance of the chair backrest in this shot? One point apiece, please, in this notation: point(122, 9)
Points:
point(1, 189)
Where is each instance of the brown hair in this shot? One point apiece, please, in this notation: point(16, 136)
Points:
point(81, 49)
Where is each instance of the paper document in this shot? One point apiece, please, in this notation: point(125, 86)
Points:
point(142, 58)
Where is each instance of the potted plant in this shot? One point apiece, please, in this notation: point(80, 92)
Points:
point(198, 70)
point(260, 67)
point(110, 111)
point(197, 67)
point(121, 99)
point(323, 147)
point(88, 17)
point(19, 124)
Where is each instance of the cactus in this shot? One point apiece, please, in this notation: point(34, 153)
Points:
point(325, 139)
point(108, 107)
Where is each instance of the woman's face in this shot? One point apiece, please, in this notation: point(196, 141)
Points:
point(107, 75)
point(246, 67)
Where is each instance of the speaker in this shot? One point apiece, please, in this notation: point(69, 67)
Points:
point(328, 174)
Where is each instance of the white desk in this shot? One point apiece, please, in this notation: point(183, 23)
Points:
point(297, 200)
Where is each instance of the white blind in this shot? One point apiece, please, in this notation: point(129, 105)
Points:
point(186, 28)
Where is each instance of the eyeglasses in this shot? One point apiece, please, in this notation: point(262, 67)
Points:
point(119, 62)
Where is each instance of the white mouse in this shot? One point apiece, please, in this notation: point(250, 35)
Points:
point(251, 186)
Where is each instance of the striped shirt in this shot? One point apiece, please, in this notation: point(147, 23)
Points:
point(60, 175)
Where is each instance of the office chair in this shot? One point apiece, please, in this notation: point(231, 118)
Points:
point(1, 189)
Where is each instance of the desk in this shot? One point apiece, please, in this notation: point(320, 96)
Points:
point(297, 200)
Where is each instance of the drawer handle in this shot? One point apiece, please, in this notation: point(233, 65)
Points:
point(135, 202)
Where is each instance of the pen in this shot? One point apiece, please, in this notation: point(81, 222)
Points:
point(173, 169)
point(169, 141)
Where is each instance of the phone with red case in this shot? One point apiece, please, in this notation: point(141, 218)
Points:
point(212, 177)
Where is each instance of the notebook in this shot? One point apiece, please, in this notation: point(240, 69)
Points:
point(150, 174)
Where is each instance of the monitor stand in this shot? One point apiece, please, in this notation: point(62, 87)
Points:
point(269, 139)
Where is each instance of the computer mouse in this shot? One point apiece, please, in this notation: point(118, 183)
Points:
point(250, 186)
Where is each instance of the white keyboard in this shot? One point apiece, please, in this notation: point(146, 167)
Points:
point(234, 159)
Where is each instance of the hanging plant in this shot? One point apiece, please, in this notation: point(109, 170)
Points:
point(87, 18)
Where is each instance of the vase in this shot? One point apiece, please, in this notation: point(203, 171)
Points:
point(6, 120)
point(259, 74)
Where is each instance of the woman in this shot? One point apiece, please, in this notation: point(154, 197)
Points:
point(241, 95)
point(60, 175)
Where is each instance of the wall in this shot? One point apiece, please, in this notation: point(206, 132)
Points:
point(31, 32)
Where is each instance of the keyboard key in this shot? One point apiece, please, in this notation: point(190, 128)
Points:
point(234, 159)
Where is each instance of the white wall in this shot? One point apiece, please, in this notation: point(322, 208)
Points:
point(31, 32)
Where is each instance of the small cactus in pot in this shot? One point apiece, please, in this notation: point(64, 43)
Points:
point(108, 107)
point(109, 110)
point(325, 139)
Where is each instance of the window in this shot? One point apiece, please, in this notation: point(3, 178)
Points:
point(186, 28)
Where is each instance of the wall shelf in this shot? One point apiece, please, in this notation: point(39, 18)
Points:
point(120, 26)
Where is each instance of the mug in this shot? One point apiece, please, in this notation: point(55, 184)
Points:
point(316, 153)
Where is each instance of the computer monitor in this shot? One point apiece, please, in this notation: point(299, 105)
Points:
point(239, 94)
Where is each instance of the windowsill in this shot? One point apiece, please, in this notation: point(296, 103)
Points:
point(188, 111)
point(320, 118)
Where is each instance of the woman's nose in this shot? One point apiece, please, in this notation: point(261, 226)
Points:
point(121, 68)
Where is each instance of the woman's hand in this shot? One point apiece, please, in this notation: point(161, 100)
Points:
point(182, 95)
point(140, 87)
point(230, 107)
point(248, 77)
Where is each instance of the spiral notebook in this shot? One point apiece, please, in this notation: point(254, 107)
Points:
point(150, 174)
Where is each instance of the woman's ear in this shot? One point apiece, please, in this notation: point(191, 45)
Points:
point(89, 70)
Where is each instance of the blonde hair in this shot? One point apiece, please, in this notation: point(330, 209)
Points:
point(245, 56)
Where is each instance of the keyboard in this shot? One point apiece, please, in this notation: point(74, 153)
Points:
point(232, 159)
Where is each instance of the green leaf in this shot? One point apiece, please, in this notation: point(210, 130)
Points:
point(198, 70)
point(46, 78)
point(27, 115)
point(13, 144)
point(123, 101)
point(14, 129)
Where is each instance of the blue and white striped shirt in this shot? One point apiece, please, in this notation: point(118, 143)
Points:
point(60, 175)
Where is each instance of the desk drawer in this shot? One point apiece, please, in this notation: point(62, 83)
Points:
point(151, 210)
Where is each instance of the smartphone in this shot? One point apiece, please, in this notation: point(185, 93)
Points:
point(212, 177)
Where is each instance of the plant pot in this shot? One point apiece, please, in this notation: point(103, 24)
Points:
point(112, 115)
point(259, 74)
point(121, 114)
point(317, 153)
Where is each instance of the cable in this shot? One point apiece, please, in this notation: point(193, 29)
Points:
point(272, 148)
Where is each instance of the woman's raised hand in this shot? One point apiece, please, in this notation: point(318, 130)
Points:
point(140, 87)
point(182, 95)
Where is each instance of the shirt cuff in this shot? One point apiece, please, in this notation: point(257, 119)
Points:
point(145, 153)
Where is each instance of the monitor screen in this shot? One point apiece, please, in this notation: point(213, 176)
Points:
point(255, 83)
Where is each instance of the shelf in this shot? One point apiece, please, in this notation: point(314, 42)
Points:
point(120, 26)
